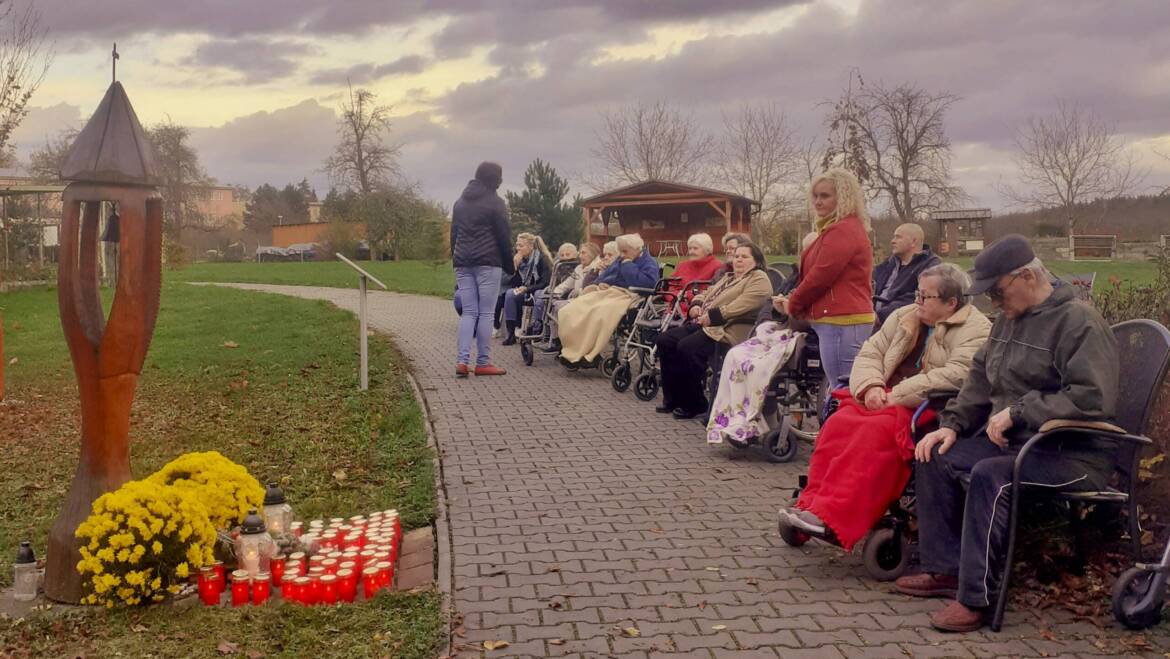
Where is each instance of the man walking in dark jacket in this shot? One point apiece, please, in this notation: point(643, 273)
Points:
point(895, 281)
point(481, 251)
point(1049, 357)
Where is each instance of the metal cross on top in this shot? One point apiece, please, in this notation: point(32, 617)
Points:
point(114, 64)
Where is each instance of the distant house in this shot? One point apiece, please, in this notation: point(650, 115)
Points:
point(221, 206)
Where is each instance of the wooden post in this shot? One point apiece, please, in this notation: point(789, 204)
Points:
point(2, 362)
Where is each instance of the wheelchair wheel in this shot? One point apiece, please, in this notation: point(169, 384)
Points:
point(886, 554)
point(621, 377)
point(792, 536)
point(526, 353)
point(779, 444)
point(608, 366)
point(1135, 602)
point(646, 386)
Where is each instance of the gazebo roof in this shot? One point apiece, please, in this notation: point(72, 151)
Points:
point(666, 192)
point(112, 148)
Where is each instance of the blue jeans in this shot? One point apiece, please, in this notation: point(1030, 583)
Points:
point(839, 347)
point(476, 289)
point(514, 306)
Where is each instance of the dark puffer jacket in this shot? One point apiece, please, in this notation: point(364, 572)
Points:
point(479, 229)
point(905, 284)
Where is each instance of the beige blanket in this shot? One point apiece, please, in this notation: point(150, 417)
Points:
point(587, 323)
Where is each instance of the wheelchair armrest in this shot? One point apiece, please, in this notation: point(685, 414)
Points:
point(641, 291)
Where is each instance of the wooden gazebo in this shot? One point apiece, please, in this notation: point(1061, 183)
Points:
point(666, 214)
point(961, 232)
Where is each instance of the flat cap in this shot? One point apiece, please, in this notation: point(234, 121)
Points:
point(998, 259)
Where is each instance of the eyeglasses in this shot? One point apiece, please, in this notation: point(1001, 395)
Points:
point(920, 298)
point(996, 292)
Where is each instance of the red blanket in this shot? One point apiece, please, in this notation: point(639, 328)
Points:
point(860, 465)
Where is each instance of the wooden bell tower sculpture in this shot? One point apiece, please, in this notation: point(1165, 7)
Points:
point(111, 163)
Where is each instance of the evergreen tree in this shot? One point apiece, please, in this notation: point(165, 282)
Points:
point(541, 208)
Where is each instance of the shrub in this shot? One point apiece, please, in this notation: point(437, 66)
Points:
point(223, 487)
point(1117, 303)
point(142, 542)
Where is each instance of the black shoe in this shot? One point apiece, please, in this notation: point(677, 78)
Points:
point(553, 348)
point(680, 413)
point(664, 409)
point(509, 341)
point(510, 338)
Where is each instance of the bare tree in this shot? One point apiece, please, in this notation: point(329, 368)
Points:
point(756, 157)
point(44, 164)
point(363, 160)
point(24, 60)
point(657, 141)
point(184, 181)
point(901, 136)
point(1069, 158)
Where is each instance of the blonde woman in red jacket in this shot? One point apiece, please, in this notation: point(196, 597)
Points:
point(835, 293)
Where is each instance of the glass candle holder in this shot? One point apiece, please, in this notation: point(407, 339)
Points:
point(330, 565)
point(276, 568)
point(240, 591)
point(347, 565)
point(297, 528)
point(385, 573)
point(316, 560)
point(220, 575)
point(304, 588)
point(329, 589)
point(209, 586)
point(336, 521)
point(315, 590)
point(369, 582)
point(261, 588)
point(346, 585)
point(366, 558)
point(288, 591)
point(292, 570)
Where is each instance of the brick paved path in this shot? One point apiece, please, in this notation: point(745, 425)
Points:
point(577, 513)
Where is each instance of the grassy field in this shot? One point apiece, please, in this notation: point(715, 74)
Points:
point(437, 278)
point(283, 402)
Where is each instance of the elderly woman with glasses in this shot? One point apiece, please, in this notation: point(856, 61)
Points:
point(861, 462)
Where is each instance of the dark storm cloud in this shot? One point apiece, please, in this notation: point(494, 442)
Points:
point(121, 18)
point(364, 73)
point(256, 60)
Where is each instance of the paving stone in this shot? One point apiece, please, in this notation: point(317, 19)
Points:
point(632, 519)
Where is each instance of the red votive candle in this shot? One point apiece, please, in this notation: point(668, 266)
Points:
point(240, 594)
point(261, 588)
point(316, 588)
point(347, 565)
point(277, 566)
point(220, 575)
point(289, 591)
point(297, 528)
point(315, 560)
point(209, 589)
point(329, 589)
point(366, 558)
point(346, 585)
point(385, 573)
point(369, 582)
point(330, 565)
point(304, 586)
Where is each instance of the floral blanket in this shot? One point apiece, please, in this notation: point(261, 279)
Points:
point(737, 412)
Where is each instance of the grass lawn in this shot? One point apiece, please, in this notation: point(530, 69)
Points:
point(284, 403)
point(435, 278)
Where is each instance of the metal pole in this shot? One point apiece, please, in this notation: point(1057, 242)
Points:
point(363, 338)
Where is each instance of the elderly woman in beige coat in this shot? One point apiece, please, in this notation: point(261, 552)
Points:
point(862, 457)
point(724, 313)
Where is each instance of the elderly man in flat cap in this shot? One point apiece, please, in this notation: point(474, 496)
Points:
point(1049, 356)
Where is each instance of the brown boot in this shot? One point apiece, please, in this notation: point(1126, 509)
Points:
point(461, 370)
point(489, 369)
point(928, 585)
point(957, 617)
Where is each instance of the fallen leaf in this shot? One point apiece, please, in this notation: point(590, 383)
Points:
point(339, 474)
point(718, 628)
point(702, 605)
point(460, 632)
point(632, 632)
point(13, 360)
point(139, 628)
point(556, 641)
point(555, 568)
point(752, 582)
point(495, 645)
point(230, 344)
point(711, 568)
point(227, 647)
point(256, 654)
point(556, 606)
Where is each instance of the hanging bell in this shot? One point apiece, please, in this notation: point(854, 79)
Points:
point(111, 234)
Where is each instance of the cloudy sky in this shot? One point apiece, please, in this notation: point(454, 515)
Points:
point(260, 81)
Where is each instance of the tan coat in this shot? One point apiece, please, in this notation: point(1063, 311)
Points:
point(735, 306)
point(946, 357)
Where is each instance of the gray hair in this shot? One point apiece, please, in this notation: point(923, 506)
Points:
point(1036, 266)
point(952, 281)
point(610, 247)
point(631, 241)
point(739, 239)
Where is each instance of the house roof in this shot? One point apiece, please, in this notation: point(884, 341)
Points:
point(653, 187)
point(112, 148)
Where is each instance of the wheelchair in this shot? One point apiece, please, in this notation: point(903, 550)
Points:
point(533, 331)
point(891, 546)
point(664, 308)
